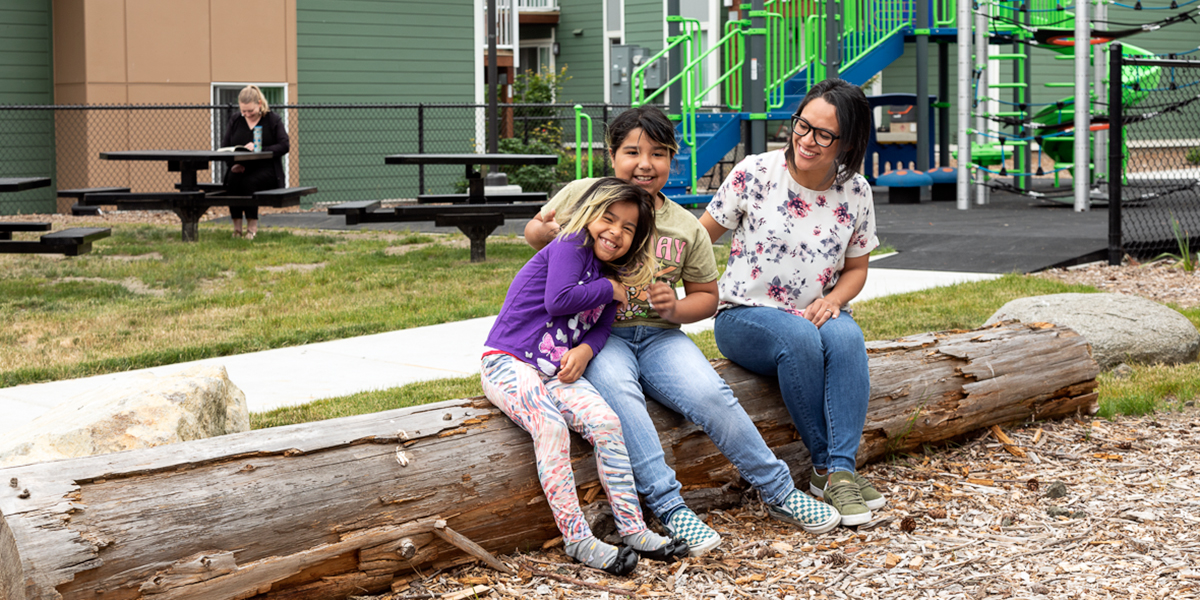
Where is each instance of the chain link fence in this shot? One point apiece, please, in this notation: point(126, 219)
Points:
point(1157, 175)
point(338, 148)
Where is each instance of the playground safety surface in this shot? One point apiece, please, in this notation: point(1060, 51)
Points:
point(1011, 233)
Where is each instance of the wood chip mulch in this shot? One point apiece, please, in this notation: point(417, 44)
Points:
point(1079, 508)
point(1162, 280)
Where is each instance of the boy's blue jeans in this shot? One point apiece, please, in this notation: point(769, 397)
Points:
point(664, 364)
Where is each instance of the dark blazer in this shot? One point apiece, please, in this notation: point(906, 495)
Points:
point(275, 139)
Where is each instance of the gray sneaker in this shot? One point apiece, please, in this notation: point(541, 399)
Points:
point(842, 492)
point(873, 499)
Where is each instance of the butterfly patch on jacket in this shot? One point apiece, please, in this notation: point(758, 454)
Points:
point(555, 353)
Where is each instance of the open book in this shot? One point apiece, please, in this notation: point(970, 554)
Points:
point(233, 149)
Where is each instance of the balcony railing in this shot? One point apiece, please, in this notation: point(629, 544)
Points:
point(537, 5)
point(506, 24)
point(507, 21)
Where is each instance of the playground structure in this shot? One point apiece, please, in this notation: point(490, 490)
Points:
point(780, 48)
point(1046, 25)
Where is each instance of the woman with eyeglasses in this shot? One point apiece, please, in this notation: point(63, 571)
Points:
point(803, 228)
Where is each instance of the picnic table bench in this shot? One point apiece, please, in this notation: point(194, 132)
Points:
point(476, 214)
point(191, 205)
point(69, 242)
point(20, 184)
point(79, 209)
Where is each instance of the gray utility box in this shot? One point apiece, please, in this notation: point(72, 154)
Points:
point(625, 59)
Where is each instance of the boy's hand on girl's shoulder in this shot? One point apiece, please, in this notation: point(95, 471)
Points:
point(546, 227)
point(663, 299)
point(574, 362)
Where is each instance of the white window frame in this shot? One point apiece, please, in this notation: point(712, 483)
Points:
point(547, 43)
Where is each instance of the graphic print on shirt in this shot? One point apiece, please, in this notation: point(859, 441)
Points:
point(669, 252)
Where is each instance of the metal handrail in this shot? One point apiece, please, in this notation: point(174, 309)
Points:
point(689, 38)
point(578, 145)
point(795, 40)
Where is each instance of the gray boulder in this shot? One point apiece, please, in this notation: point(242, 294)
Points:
point(197, 403)
point(1120, 328)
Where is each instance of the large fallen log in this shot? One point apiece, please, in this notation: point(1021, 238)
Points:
point(340, 507)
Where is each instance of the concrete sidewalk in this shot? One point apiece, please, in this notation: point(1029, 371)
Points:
point(301, 374)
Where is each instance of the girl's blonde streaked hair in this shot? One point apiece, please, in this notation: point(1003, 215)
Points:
point(636, 268)
point(250, 94)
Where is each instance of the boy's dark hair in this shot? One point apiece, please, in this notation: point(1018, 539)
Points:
point(854, 125)
point(650, 119)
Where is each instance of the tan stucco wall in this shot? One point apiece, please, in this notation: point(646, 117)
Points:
point(157, 52)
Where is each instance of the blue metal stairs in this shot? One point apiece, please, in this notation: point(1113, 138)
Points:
point(718, 133)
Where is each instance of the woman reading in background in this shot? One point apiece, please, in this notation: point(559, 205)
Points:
point(245, 178)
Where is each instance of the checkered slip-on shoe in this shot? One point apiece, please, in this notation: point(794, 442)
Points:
point(685, 525)
point(873, 499)
point(799, 509)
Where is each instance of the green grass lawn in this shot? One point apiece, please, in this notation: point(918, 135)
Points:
point(143, 299)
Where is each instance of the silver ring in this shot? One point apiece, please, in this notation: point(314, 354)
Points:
point(829, 310)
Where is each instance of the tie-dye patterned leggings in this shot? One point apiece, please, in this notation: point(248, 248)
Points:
point(546, 408)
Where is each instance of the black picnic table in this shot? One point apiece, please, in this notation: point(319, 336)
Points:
point(474, 213)
point(192, 199)
point(70, 242)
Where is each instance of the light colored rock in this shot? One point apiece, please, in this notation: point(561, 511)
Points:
point(1120, 328)
point(197, 403)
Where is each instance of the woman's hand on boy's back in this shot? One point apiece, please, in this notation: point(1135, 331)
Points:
point(574, 362)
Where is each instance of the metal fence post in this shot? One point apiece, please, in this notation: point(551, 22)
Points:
point(421, 146)
point(605, 136)
point(1115, 143)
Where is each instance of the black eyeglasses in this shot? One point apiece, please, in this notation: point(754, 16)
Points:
point(823, 137)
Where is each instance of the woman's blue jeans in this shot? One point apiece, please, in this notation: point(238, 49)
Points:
point(822, 374)
point(664, 364)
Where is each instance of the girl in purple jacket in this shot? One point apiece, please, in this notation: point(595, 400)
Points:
point(557, 315)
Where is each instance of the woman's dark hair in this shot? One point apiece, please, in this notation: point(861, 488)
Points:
point(652, 121)
point(854, 125)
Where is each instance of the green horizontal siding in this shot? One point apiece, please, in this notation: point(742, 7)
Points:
point(644, 24)
point(582, 55)
point(384, 51)
point(26, 78)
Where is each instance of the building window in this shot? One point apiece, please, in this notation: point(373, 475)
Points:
point(536, 56)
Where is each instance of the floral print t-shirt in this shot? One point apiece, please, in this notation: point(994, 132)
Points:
point(789, 243)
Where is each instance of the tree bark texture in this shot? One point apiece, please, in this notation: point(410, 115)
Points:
point(340, 507)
